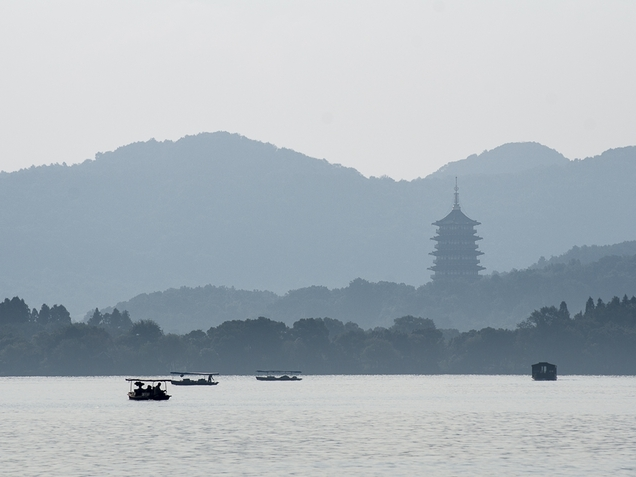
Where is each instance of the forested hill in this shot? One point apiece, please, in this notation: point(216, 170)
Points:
point(588, 254)
point(501, 300)
point(222, 209)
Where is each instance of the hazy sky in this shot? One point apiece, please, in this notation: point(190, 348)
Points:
point(390, 88)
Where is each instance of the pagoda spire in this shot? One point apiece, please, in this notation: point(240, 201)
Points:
point(456, 204)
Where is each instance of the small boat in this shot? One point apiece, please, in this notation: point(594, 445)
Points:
point(278, 375)
point(544, 372)
point(209, 381)
point(152, 391)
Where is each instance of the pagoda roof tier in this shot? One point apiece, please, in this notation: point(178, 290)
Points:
point(446, 237)
point(458, 263)
point(446, 268)
point(447, 252)
point(455, 251)
point(456, 217)
point(445, 245)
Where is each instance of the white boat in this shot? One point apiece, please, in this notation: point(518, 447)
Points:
point(274, 375)
point(202, 381)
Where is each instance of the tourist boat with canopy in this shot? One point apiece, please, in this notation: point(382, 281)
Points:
point(152, 391)
point(275, 375)
point(202, 381)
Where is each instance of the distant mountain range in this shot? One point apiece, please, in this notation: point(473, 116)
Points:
point(224, 210)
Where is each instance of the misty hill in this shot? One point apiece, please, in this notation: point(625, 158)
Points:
point(506, 159)
point(499, 300)
point(224, 210)
point(588, 254)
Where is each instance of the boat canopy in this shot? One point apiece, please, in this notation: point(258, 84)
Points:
point(148, 380)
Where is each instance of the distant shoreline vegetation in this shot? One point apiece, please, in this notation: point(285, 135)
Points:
point(599, 340)
point(496, 300)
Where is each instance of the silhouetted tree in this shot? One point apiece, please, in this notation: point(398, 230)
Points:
point(96, 319)
point(14, 311)
point(118, 322)
point(59, 316)
point(44, 316)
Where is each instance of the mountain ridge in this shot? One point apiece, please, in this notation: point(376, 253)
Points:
point(510, 158)
point(219, 208)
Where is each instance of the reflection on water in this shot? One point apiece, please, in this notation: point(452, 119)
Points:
point(322, 425)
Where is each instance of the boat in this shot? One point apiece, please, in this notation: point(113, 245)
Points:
point(152, 391)
point(273, 375)
point(544, 371)
point(202, 381)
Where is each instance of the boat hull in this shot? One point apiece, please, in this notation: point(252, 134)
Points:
point(147, 397)
point(190, 382)
point(278, 378)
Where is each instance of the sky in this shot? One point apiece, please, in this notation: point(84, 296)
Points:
point(395, 88)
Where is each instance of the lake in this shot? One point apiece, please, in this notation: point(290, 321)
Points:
point(322, 425)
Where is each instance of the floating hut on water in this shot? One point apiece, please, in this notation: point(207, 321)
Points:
point(544, 372)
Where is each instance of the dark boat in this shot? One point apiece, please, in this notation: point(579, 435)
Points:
point(544, 371)
point(152, 391)
point(278, 375)
point(209, 381)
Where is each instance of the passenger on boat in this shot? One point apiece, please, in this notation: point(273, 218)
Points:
point(158, 391)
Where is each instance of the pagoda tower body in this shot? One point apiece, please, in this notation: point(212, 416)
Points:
point(456, 248)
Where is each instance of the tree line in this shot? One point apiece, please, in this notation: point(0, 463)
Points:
point(599, 340)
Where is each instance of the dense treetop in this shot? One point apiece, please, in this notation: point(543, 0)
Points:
point(599, 340)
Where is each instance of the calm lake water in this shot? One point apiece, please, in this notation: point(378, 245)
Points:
point(322, 425)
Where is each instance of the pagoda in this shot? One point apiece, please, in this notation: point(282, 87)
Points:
point(456, 249)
